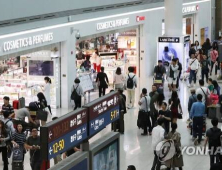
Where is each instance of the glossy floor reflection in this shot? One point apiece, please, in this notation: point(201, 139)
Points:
point(136, 149)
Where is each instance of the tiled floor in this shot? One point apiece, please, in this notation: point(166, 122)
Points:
point(136, 149)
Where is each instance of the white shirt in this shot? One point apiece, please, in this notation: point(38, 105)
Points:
point(193, 64)
point(98, 60)
point(205, 90)
point(119, 79)
point(145, 106)
point(46, 92)
point(93, 58)
point(134, 79)
point(157, 136)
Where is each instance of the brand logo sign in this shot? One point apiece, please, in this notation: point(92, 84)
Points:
point(112, 24)
point(190, 9)
point(169, 39)
point(187, 38)
point(26, 42)
point(140, 18)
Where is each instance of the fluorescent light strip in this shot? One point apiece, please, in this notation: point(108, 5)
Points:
point(87, 20)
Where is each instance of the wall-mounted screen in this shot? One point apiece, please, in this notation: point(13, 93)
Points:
point(107, 157)
point(41, 68)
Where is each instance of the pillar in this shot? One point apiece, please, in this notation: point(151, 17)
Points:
point(173, 18)
point(68, 69)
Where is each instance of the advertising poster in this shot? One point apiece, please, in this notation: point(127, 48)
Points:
point(107, 158)
point(168, 51)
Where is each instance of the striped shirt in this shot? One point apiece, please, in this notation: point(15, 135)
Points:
point(19, 138)
point(8, 108)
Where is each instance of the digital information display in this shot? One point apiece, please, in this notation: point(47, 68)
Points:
point(103, 120)
point(64, 133)
point(81, 166)
point(103, 111)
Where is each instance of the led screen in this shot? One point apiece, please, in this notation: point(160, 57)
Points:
point(41, 68)
point(107, 158)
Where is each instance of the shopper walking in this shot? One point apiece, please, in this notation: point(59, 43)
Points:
point(46, 90)
point(213, 138)
point(175, 106)
point(33, 144)
point(192, 99)
point(8, 107)
point(159, 71)
point(206, 47)
point(94, 58)
point(165, 114)
point(42, 103)
point(119, 79)
point(217, 88)
point(86, 64)
point(19, 139)
point(77, 93)
point(197, 45)
point(131, 85)
point(4, 137)
point(173, 74)
point(210, 85)
point(192, 50)
point(102, 81)
point(203, 91)
point(213, 58)
point(205, 68)
point(197, 114)
point(177, 160)
point(179, 71)
point(144, 112)
point(122, 110)
point(153, 100)
point(193, 66)
point(158, 136)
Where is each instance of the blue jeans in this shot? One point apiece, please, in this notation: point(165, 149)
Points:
point(193, 76)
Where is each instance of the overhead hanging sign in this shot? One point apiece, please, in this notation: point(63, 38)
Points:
point(190, 9)
point(27, 42)
point(169, 39)
point(112, 24)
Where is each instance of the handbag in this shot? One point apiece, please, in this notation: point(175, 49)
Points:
point(42, 115)
point(180, 116)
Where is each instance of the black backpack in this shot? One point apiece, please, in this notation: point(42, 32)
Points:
point(214, 139)
point(75, 96)
point(130, 82)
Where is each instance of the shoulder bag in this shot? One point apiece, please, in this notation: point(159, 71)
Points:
point(143, 116)
point(189, 68)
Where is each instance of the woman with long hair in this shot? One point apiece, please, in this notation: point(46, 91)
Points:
point(4, 137)
point(174, 105)
point(119, 79)
point(177, 160)
point(46, 90)
point(197, 45)
point(42, 103)
point(206, 47)
point(159, 101)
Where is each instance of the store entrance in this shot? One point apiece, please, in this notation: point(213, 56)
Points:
point(116, 49)
point(22, 75)
point(188, 26)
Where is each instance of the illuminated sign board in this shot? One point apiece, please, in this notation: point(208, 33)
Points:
point(27, 42)
point(112, 24)
point(190, 9)
point(169, 39)
point(64, 133)
point(103, 111)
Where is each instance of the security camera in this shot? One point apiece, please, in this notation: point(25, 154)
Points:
point(78, 35)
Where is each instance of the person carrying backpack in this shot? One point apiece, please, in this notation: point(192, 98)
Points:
point(213, 138)
point(77, 93)
point(131, 85)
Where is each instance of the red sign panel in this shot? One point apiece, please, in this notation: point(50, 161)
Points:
point(140, 18)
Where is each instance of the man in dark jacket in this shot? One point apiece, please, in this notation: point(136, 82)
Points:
point(159, 71)
point(153, 99)
point(192, 50)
